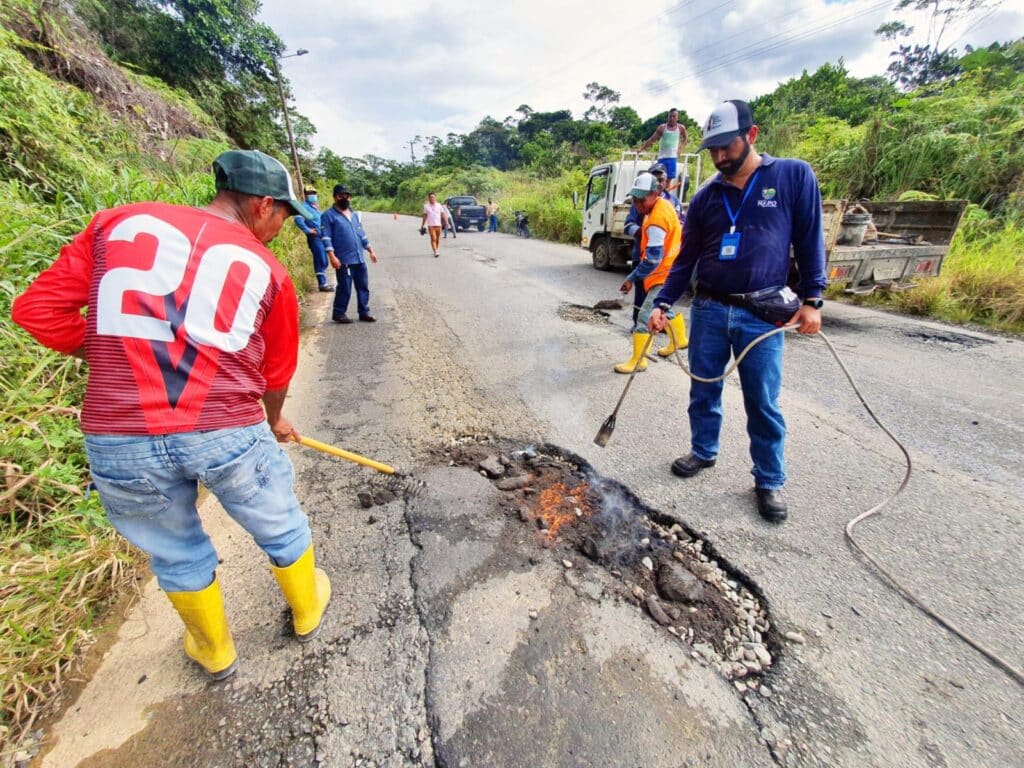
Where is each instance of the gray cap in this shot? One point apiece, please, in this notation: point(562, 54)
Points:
point(252, 172)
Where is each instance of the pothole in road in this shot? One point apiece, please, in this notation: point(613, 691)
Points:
point(947, 339)
point(666, 570)
point(578, 313)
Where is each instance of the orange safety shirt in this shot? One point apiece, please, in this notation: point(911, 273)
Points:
point(663, 215)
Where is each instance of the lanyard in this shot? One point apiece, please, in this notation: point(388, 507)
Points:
point(746, 194)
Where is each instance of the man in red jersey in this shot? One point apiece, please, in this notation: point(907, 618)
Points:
point(191, 322)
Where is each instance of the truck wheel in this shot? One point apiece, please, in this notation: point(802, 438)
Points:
point(602, 253)
point(479, 226)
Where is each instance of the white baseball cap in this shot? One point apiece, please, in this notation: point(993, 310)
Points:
point(727, 121)
point(643, 185)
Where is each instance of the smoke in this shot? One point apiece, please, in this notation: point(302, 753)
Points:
point(624, 533)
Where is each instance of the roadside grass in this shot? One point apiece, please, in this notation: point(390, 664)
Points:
point(60, 564)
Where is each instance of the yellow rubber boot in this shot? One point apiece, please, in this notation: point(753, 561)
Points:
point(307, 590)
point(207, 637)
point(639, 344)
point(676, 337)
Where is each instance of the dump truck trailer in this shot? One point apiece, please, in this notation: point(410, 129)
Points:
point(902, 242)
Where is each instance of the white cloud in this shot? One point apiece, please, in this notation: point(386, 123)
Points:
point(380, 73)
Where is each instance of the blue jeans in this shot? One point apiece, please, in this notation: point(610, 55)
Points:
point(494, 223)
point(149, 483)
point(670, 167)
point(316, 247)
point(715, 331)
point(348, 274)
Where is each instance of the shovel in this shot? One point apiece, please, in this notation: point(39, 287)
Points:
point(604, 434)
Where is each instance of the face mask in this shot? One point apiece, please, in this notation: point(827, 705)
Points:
point(344, 203)
point(311, 198)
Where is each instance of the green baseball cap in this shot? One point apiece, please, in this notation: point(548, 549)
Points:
point(252, 172)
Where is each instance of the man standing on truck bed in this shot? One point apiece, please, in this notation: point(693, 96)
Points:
point(671, 137)
point(191, 322)
point(739, 228)
point(660, 237)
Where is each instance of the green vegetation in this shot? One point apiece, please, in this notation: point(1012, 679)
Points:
point(66, 152)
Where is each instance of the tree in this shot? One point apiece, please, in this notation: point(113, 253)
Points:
point(215, 50)
point(602, 99)
point(829, 91)
point(915, 64)
point(492, 144)
point(625, 120)
point(542, 121)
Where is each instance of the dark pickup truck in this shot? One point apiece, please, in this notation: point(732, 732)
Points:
point(466, 212)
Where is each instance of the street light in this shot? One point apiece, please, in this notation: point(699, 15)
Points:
point(287, 120)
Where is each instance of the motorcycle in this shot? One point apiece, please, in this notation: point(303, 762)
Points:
point(522, 224)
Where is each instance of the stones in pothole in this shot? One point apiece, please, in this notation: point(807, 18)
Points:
point(656, 610)
point(676, 583)
point(513, 483)
point(492, 466)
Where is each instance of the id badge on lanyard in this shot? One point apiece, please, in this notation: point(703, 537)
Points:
point(730, 246)
point(729, 250)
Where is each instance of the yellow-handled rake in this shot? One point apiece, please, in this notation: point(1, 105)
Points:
point(398, 482)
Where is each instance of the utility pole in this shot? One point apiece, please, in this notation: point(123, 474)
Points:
point(287, 119)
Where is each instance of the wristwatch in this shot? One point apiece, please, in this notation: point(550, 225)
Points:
point(816, 303)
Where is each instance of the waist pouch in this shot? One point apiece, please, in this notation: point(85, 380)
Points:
point(775, 305)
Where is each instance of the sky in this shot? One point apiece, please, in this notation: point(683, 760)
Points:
point(380, 73)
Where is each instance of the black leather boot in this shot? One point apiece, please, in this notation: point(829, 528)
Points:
point(689, 465)
point(771, 505)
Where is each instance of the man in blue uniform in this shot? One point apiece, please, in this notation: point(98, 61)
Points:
point(345, 240)
point(737, 237)
point(310, 226)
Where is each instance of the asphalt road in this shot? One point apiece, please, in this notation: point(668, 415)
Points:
point(454, 640)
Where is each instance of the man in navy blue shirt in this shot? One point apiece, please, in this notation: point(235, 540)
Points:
point(736, 244)
point(345, 240)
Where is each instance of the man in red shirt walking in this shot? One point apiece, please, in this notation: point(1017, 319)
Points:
point(191, 335)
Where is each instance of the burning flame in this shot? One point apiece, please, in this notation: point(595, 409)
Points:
point(559, 506)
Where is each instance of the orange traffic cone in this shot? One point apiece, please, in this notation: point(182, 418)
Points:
point(394, 216)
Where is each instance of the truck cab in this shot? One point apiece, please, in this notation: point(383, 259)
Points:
point(466, 212)
point(606, 204)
